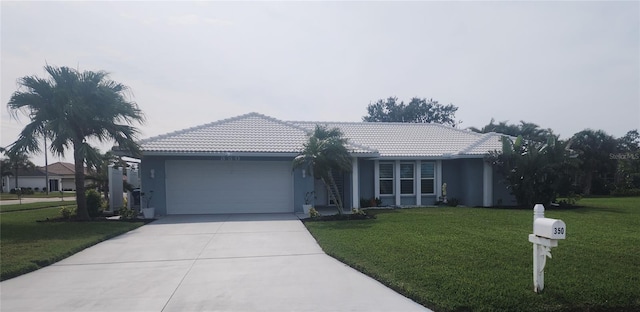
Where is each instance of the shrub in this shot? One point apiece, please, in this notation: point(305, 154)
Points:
point(453, 202)
point(357, 212)
point(313, 213)
point(94, 203)
point(128, 214)
point(67, 212)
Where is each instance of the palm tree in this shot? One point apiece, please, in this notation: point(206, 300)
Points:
point(324, 153)
point(70, 108)
point(14, 163)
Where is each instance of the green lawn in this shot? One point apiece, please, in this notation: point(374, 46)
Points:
point(31, 206)
point(9, 196)
point(476, 259)
point(27, 245)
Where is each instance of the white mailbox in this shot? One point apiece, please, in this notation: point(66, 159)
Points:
point(549, 228)
point(546, 233)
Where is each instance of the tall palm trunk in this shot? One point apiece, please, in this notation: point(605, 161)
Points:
point(334, 192)
point(16, 186)
point(81, 199)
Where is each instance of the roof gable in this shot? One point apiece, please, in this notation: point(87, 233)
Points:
point(246, 133)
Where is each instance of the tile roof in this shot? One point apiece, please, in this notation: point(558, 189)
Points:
point(61, 168)
point(393, 139)
point(55, 169)
point(256, 133)
point(247, 133)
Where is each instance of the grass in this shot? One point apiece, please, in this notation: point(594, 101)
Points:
point(27, 245)
point(476, 259)
point(8, 196)
point(31, 206)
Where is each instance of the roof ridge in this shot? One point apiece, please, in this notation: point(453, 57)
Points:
point(283, 122)
point(217, 122)
point(409, 124)
point(349, 141)
point(483, 138)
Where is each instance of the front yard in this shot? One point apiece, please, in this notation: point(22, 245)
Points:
point(477, 259)
point(27, 245)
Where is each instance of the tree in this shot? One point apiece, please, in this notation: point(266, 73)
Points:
point(418, 110)
point(70, 108)
point(597, 168)
point(628, 158)
point(528, 130)
point(534, 172)
point(324, 153)
point(14, 163)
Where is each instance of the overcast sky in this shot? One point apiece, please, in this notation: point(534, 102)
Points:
point(562, 65)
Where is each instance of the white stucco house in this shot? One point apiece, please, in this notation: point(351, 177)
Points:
point(61, 177)
point(244, 165)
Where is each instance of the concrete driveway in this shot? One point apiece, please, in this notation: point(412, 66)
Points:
point(258, 262)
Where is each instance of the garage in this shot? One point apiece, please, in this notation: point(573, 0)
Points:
point(217, 186)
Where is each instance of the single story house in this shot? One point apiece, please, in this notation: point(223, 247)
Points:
point(244, 165)
point(61, 177)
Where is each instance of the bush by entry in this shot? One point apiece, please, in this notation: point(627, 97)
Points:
point(478, 259)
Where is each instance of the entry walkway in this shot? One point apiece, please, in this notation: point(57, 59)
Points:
point(257, 262)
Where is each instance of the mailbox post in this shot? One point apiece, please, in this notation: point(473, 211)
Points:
point(546, 233)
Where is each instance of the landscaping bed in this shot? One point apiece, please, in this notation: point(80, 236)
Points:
point(471, 259)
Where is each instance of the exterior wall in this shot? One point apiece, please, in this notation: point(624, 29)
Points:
point(64, 182)
point(365, 173)
point(24, 182)
point(472, 178)
point(451, 174)
point(155, 183)
point(501, 195)
point(300, 188)
point(347, 181)
point(464, 178)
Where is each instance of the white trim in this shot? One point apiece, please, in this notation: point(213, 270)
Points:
point(487, 185)
point(376, 178)
point(355, 184)
point(396, 180)
point(418, 184)
point(438, 179)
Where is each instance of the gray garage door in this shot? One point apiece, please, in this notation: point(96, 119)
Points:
point(204, 186)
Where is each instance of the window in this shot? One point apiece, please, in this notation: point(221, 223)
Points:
point(386, 179)
point(406, 179)
point(427, 179)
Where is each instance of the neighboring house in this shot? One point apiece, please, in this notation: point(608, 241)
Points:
point(61, 177)
point(244, 165)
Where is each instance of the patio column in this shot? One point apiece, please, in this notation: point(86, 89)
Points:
point(396, 180)
point(355, 184)
point(376, 178)
point(438, 179)
point(418, 184)
point(487, 185)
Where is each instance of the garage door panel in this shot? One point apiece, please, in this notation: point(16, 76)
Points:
point(195, 187)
